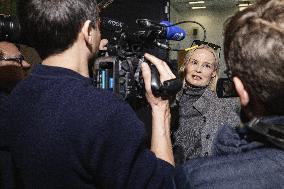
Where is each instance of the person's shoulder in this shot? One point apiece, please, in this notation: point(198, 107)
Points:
point(99, 100)
point(221, 103)
point(210, 97)
point(232, 102)
point(218, 171)
point(230, 105)
point(251, 158)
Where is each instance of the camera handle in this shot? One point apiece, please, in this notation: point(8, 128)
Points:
point(166, 89)
point(155, 80)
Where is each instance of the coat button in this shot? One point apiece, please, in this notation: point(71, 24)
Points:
point(204, 119)
point(206, 154)
point(207, 136)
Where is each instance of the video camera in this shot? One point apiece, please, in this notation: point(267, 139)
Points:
point(120, 72)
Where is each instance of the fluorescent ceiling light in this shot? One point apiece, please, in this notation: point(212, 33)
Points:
point(242, 8)
point(198, 7)
point(243, 5)
point(196, 2)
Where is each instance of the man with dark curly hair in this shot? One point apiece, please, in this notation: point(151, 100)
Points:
point(12, 65)
point(251, 156)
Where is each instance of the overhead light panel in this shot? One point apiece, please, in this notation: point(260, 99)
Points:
point(195, 2)
point(243, 5)
point(242, 8)
point(198, 8)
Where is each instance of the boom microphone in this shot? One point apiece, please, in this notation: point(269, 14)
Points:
point(163, 30)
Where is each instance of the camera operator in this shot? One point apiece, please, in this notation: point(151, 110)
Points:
point(65, 133)
point(252, 156)
point(12, 70)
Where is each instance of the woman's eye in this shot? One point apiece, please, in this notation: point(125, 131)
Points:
point(194, 62)
point(208, 66)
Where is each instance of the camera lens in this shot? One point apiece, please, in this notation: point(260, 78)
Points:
point(9, 28)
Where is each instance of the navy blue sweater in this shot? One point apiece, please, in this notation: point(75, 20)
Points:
point(64, 133)
point(237, 164)
point(6, 167)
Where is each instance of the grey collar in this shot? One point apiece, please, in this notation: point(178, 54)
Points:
point(203, 103)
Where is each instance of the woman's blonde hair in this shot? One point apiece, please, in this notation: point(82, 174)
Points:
point(213, 82)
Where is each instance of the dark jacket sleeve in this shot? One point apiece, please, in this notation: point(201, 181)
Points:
point(118, 157)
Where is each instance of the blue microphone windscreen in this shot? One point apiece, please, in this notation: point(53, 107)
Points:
point(173, 32)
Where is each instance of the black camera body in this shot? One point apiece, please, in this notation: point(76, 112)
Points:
point(117, 74)
point(120, 70)
point(225, 88)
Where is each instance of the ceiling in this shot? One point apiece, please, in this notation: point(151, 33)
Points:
point(183, 5)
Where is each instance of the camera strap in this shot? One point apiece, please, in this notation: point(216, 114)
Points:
point(271, 134)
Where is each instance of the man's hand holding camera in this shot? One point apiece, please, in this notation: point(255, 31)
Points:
point(161, 143)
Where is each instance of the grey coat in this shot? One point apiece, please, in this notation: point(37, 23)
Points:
point(214, 112)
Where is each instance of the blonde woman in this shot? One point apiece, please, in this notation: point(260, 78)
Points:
point(200, 113)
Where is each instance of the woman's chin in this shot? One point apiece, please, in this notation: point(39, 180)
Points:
point(196, 84)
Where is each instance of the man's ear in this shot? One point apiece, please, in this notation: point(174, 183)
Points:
point(243, 94)
point(87, 31)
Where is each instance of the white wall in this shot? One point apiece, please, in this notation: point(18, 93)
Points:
point(212, 20)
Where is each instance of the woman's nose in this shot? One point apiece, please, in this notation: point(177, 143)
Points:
point(199, 68)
